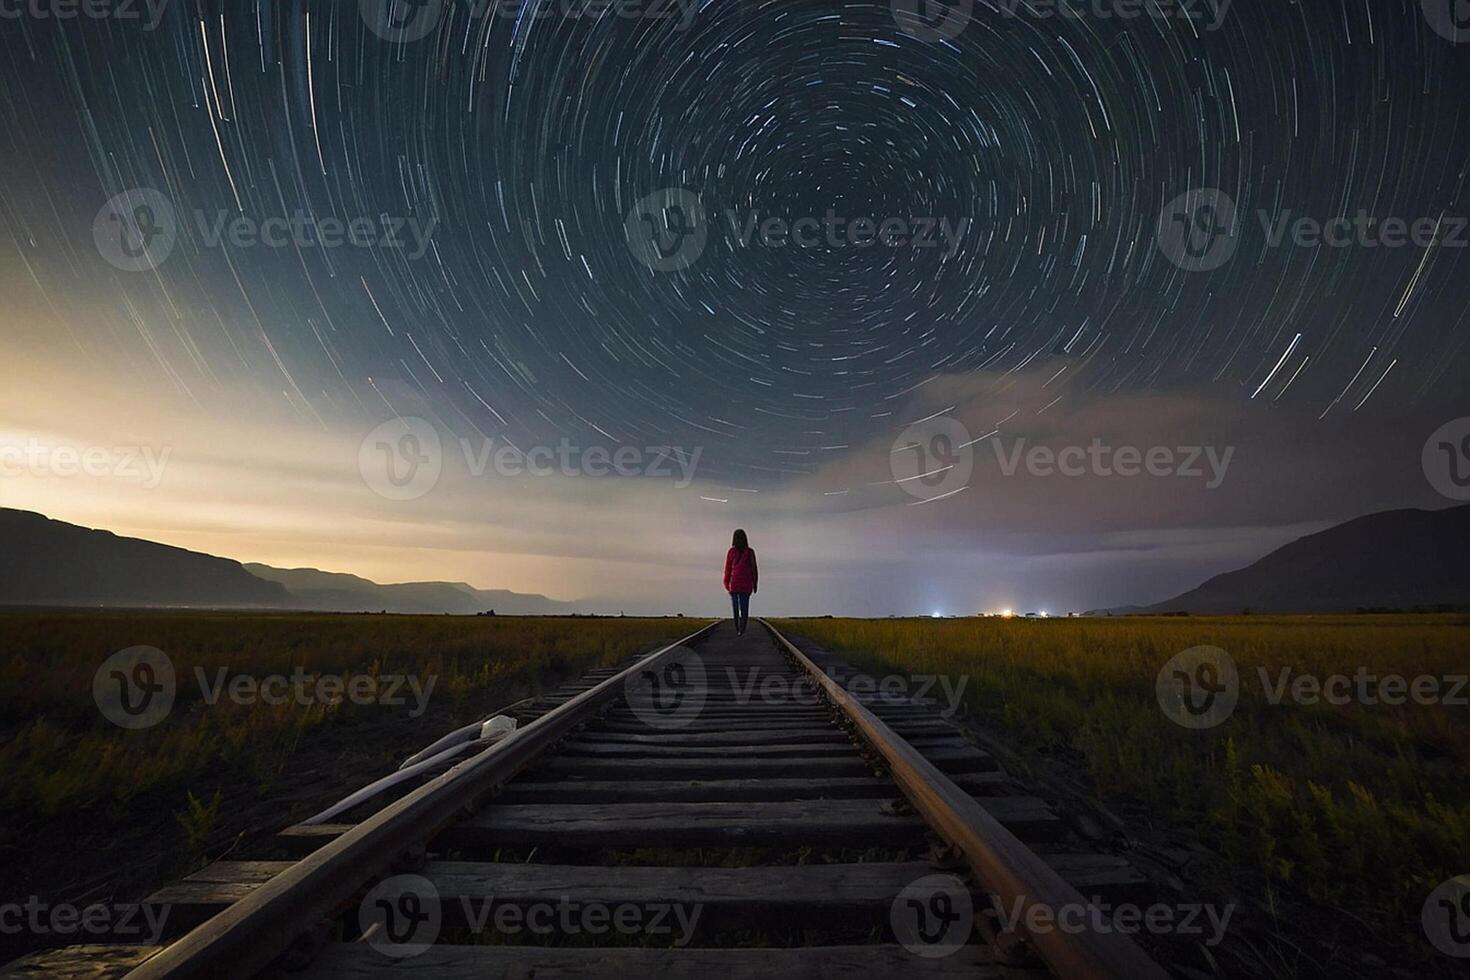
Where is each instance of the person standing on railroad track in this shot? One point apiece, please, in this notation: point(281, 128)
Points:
point(741, 578)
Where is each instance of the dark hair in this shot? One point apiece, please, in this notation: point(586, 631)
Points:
point(739, 542)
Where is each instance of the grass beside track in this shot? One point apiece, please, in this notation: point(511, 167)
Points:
point(58, 752)
point(1361, 806)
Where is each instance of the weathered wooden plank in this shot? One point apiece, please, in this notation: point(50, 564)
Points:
point(209, 890)
point(721, 713)
point(220, 881)
point(1104, 875)
point(302, 839)
point(93, 962)
point(357, 961)
point(846, 886)
point(961, 759)
point(724, 790)
point(600, 749)
point(563, 766)
point(854, 886)
point(701, 725)
point(676, 737)
point(836, 823)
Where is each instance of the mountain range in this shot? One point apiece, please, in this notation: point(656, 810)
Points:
point(1402, 559)
point(1397, 559)
point(45, 562)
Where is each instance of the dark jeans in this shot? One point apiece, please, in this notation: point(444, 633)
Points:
point(740, 604)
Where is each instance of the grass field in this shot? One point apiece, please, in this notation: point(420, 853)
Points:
point(57, 751)
point(1363, 806)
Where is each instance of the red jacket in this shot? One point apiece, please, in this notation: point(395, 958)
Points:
point(740, 571)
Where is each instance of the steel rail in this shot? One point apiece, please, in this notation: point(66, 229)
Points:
point(253, 932)
point(1000, 862)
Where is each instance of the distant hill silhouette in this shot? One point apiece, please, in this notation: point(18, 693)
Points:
point(51, 563)
point(1398, 559)
point(339, 592)
point(44, 562)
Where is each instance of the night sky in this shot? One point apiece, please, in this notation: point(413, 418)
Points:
point(1077, 295)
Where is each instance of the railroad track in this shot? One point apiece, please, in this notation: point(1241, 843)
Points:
point(724, 806)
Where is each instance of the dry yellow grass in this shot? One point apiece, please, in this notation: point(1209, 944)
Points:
point(1361, 804)
point(58, 751)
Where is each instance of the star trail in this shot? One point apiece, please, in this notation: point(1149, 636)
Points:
point(433, 208)
point(527, 133)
